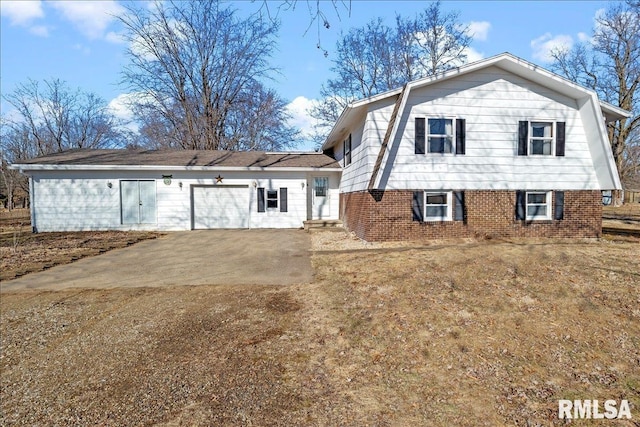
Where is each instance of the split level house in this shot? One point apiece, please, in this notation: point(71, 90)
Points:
point(499, 147)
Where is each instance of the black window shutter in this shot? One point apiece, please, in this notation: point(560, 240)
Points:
point(349, 152)
point(418, 206)
point(420, 135)
point(523, 135)
point(283, 200)
point(558, 205)
point(261, 199)
point(521, 205)
point(560, 138)
point(460, 136)
point(458, 197)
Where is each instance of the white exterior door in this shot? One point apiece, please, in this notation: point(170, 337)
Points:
point(320, 198)
point(138, 202)
point(220, 207)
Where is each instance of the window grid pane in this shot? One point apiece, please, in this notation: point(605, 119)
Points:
point(537, 205)
point(541, 139)
point(440, 135)
point(437, 207)
point(272, 198)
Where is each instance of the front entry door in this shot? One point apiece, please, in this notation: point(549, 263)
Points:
point(320, 202)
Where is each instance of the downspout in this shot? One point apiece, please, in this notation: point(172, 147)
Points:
point(32, 209)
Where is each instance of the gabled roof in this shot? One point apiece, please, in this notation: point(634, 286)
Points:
point(178, 159)
point(598, 111)
point(505, 61)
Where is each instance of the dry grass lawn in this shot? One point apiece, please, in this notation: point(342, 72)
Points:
point(22, 252)
point(450, 333)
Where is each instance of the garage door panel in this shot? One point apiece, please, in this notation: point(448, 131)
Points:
point(220, 207)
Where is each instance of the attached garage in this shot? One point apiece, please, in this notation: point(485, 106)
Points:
point(220, 206)
point(170, 190)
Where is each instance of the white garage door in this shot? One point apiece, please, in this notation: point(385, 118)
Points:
point(220, 207)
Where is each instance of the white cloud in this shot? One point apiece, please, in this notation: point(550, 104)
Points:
point(114, 37)
point(21, 12)
point(299, 109)
point(39, 30)
point(545, 44)
point(584, 37)
point(479, 30)
point(120, 107)
point(473, 55)
point(90, 17)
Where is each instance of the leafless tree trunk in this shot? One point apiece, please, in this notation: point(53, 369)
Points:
point(193, 66)
point(53, 118)
point(610, 65)
point(377, 58)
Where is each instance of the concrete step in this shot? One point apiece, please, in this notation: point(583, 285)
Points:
point(323, 224)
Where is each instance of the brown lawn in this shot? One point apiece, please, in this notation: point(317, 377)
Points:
point(449, 333)
point(22, 252)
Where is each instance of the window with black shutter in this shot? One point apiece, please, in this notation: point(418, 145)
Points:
point(460, 136)
point(420, 135)
point(261, 204)
point(283, 200)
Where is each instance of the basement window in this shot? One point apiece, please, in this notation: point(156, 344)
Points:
point(538, 205)
point(438, 206)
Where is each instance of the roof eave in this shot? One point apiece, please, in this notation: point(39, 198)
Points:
point(613, 113)
point(43, 167)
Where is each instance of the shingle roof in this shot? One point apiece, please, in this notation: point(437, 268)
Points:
point(187, 158)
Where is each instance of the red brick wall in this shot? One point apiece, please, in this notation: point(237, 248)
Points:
point(387, 215)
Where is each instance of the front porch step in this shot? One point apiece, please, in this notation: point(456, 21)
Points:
point(323, 224)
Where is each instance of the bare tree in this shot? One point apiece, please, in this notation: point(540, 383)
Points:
point(51, 117)
point(610, 65)
point(194, 66)
point(377, 58)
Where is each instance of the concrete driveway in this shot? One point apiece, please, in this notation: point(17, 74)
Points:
point(230, 257)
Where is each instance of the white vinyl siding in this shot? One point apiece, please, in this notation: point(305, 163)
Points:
point(492, 101)
point(83, 200)
point(356, 176)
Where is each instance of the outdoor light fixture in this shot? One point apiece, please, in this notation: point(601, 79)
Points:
point(180, 184)
point(302, 184)
point(167, 179)
point(255, 184)
point(109, 184)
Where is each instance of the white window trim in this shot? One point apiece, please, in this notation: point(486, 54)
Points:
point(266, 199)
point(548, 204)
point(428, 135)
point(449, 216)
point(530, 137)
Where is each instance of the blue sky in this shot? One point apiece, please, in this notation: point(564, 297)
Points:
point(78, 41)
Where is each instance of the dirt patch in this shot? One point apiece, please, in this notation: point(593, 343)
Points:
point(23, 252)
point(466, 334)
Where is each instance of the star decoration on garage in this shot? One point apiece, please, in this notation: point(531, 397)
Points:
point(219, 179)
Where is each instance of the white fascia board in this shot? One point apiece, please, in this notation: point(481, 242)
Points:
point(41, 167)
point(347, 114)
point(394, 130)
point(613, 112)
point(606, 146)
